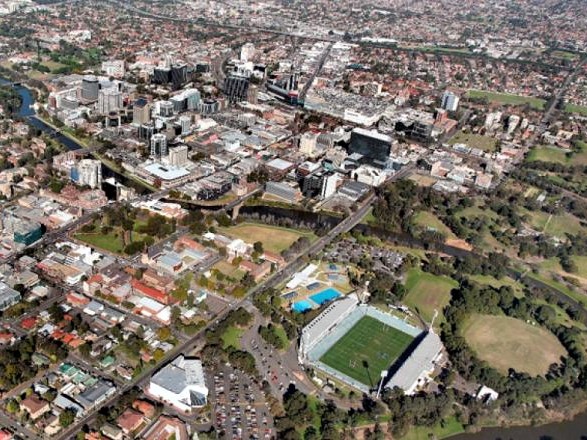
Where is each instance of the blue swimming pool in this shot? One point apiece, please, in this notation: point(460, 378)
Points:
point(325, 296)
point(301, 306)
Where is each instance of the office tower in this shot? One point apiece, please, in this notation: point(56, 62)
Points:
point(236, 88)
point(165, 109)
point(109, 100)
point(373, 146)
point(90, 88)
point(141, 111)
point(450, 101)
point(146, 131)
point(178, 156)
point(292, 82)
point(192, 97)
point(158, 145)
point(179, 75)
point(209, 106)
point(179, 103)
point(89, 173)
point(161, 75)
point(185, 123)
point(253, 94)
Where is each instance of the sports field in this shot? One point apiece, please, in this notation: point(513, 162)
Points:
point(369, 347)
point(505, 343)
point(427, 293)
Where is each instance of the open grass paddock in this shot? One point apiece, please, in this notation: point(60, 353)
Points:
point(505, 343)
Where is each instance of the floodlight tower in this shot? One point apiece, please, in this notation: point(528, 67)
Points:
point(383, 376)
point(364, 295)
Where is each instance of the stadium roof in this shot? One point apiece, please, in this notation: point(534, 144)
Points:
point(419, 361)
point(319, 325)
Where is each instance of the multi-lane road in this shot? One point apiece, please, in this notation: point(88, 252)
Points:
point(189, 345)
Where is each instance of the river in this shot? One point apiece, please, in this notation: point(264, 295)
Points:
point(28, 114)
point(575, 429)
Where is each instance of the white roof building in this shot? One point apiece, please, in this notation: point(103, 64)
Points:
point(325, 322)
point(415, 370)
point(180, 384)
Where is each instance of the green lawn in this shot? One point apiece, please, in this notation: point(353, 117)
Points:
point(282, 335)
point(444, 50)
point(231, 337)
point(564, 54)
point(477, 211)
point(229, 270)
point(369, 218)
point(442, 430)
point(573, 108)
point(274, 238)
point(427, 292)
point(507, 99)
point(111, 242)
point(427, 220)
point(495, 283)
point(549, 153)
point(485, 143)
point(555, 225)
point(368, 348)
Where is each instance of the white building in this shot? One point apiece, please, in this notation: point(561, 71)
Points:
point(329, 185)
point(109, 100)
point(178, 156)
point(247, 52)
point(450, 101)
point(369, 175)
point(320, 326)
point(180, 384)
point(308, 143)
point(492, 120)
point(90, 173)
point(114, 68)
point(159, 145)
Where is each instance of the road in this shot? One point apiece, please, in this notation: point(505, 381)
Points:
point(344, 226)
point(316, 72)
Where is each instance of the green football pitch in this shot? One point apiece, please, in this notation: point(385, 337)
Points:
point(369, 347)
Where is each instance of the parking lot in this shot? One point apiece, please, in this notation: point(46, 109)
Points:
point(240, 410)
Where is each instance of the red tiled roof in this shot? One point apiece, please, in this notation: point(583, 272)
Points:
point(129, 420)
point(28, 323)
point(155, 294)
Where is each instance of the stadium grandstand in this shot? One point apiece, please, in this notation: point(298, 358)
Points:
point(354, 343)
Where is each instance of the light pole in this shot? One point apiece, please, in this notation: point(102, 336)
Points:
point(383, 376)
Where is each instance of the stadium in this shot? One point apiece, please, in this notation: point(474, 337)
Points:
point(354, 343)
